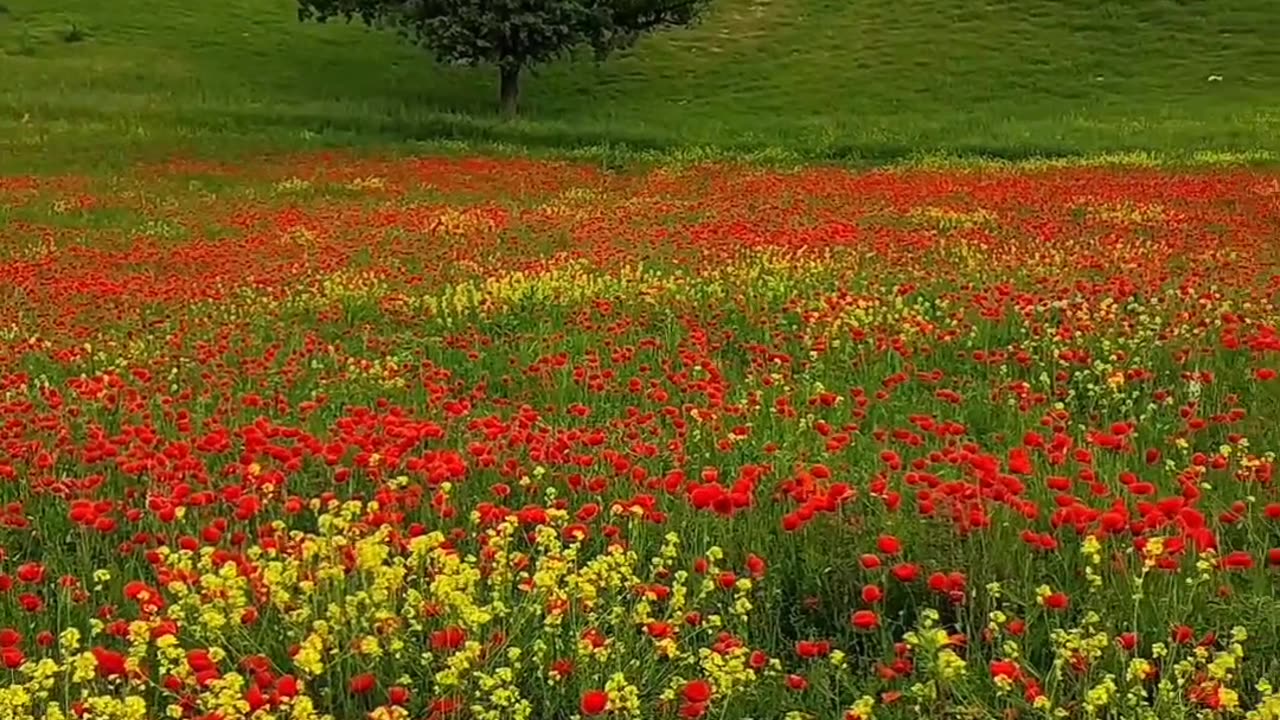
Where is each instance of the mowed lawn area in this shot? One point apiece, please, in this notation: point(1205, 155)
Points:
point(868, 81)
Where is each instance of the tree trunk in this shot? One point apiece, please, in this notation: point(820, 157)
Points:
point(510, 92)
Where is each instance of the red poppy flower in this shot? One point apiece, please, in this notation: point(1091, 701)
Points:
point(1033, 691)
point(697, 691)
point(1184, 635)
point(905, 572)
point(938, 582)
point(30, 573)
point(1238, 560)
point(362, 683)
point(450, 638)
point(865, 620)
point(872, 594)
point(692, 711)
point(287, 686)
point(110, 663)
point(809, 649)
point(594, 702)
point(12, 657)
point(658, 629)
point(889, 545)
point(1007, 669)
point(1019, 461)
point(1127, 641)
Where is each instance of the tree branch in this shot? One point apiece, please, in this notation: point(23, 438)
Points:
point(651, 18)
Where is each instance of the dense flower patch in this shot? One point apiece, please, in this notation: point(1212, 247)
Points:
point(429, 439)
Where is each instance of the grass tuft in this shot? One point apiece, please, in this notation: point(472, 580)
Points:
point(74, 34)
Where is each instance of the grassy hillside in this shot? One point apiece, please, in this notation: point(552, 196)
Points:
point(828, 78)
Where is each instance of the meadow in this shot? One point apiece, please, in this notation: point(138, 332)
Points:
point(84, 82)
point(824, 361)
point(330, 436)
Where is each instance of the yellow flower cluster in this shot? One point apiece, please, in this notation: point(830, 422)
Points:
point(477, 628)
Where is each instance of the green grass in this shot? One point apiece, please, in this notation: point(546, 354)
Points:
point(815, 79)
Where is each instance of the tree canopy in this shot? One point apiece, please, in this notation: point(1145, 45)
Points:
point(511, 34)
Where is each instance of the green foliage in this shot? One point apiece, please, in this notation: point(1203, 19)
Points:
point(512, 34)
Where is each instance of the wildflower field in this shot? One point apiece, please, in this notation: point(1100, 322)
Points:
point(423, 439)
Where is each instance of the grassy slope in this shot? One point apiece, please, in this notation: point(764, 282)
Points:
point(870, 78)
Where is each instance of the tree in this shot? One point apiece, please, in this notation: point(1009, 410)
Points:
point(511, 34)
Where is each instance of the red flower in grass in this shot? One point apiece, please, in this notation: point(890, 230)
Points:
point(697, 691)
point(451, 638)
point(865, 620)
point(872, 594)
point(1127, 641)
point(1019, 462)
point(889, 545)
point(362, 683)
point(1183, 635)
point(31, 573)
point(287, 686)
point(693, 710)
point(1238, 560)
point(1005, 669)
point(12, 657)
point(397, 695)
point(110, 663)
point(809, 649)
point(594, 702)
point(1057, 601)
point(905, 572)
